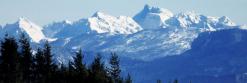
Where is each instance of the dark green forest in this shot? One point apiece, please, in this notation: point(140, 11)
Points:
point(19, 63)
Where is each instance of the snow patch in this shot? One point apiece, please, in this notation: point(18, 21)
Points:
point(33, 30)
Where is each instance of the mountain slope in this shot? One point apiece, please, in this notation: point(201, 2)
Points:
point(215, 57)
point(144, 45)
point(25, 26)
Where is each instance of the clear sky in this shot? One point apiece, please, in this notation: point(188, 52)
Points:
point(43, 12)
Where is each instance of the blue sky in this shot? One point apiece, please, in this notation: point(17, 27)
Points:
point(43, 12)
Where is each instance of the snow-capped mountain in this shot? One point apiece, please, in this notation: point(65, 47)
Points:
point(98, 23)
point(103, 23)
point(25, 26)
point(154, 34)
point(154, 17)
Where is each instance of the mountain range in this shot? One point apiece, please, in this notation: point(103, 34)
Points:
point(155, 38)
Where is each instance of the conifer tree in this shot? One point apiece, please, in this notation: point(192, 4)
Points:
point(128, 79)
point(26, 59)
point(49, 66)
point(114, 69)
point(158, 81)
point(63, 74)
point(98, 72)
point(24, 67)
point(39, 70)
point(80, 68)
point(71, 73)
point(9, 60)
point(175, 81)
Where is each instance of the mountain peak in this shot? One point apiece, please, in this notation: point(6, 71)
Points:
point(31, 29)
point(104, 23)
point(188, 13)
point(146, 7)
point(159, 10)
point(22, 20)
point(99, 14)
point(149, 9)
point(67, 22)
point(226, 21)
point(158, 16)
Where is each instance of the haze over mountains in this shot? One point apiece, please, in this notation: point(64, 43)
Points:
point(150, 36)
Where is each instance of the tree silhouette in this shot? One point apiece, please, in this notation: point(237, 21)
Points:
point(9, 60)
point(26, 59)
point(128, 79)
point(158, 81)
point(25, 67)
point(98, 72)
point(175, 81)
point(114, 69)
point(39, 71)
point(80, 68)
point(49, 65)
